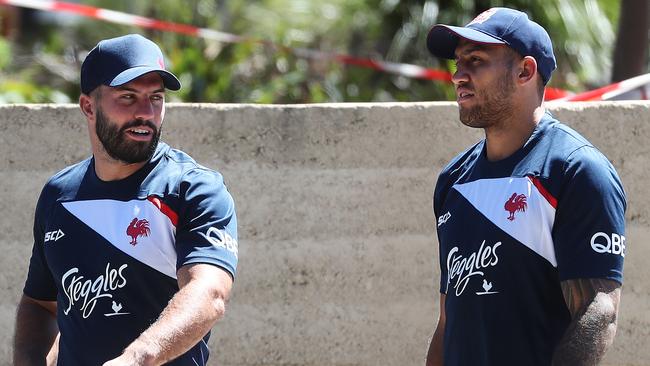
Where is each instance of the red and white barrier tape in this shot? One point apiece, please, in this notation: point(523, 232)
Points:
point(612, 91)
point(407, 70)
point(112, 16)
point(123, 18)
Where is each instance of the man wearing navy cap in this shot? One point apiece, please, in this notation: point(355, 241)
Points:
point(135, 249)
point(530, 220)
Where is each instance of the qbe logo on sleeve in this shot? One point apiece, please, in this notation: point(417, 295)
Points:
point(606, 243)
point(221, 239)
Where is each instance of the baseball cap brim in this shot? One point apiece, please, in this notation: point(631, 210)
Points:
point(169, 80)
point(443, 39)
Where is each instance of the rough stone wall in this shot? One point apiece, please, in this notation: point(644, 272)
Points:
point(338, 254)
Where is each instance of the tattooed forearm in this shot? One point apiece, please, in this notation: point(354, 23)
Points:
point(593, 304)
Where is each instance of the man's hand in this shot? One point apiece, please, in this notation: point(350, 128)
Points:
point(191, 313)
point(593, 304)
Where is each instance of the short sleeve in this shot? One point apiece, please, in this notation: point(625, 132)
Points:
point(589, 229)
point(443, 275)
point(439, 196)
point(207, 227)
point(40, 283)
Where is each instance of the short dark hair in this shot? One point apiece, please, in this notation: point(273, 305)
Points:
point(540, 86)
point(96, 93)
point(516, 56)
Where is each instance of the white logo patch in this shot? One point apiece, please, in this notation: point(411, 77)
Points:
point(85, 293)
point(487, 286)
point(484, 16)
point(53, 235)
point(604, 243)
point(443, 219)
point(116, 310)
point(221, 239)
point(460, 269)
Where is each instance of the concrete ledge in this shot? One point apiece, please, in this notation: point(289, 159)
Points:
point(338, 249)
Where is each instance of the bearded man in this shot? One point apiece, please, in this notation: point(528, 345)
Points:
point(135, 249)
point(536, 281)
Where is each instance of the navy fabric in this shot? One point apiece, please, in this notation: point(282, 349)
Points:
point(117, 61)
point(108, 252)
point(498, 26)
point(510, 231)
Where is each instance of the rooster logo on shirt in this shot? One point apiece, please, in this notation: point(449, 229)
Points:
point(516, 203)
point(137, 228)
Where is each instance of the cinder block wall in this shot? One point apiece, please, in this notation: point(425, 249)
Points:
point(338, 254)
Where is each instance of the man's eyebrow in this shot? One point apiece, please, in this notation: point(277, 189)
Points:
point(126, 88)
point(473, 48)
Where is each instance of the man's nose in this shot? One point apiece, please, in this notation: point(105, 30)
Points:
point(145, 110)
point(460, 76)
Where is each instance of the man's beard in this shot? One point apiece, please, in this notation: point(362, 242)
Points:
point(496, 105)
point(118, 146)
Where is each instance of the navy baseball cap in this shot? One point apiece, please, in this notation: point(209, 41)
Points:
point(498, 26)
point(117, 61)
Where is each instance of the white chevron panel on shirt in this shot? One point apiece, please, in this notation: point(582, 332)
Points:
point(531, 226)
point(110, 219)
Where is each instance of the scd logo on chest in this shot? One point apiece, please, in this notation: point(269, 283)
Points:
point(605, 243)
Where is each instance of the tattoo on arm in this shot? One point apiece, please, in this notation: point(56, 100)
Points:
point(593, 305)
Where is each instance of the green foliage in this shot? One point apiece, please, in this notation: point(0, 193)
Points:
point(583, 37)
point(265, 70)
point(5, 54)
point(14, 91)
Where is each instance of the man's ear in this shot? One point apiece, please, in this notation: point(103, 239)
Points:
point(527, 70)
point(86, 103)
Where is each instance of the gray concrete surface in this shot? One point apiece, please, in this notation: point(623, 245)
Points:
point(338, 257)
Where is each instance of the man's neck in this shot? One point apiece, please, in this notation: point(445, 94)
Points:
point(508, 137)
point(108, 169)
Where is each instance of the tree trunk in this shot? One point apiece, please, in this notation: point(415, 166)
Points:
point(631, 51)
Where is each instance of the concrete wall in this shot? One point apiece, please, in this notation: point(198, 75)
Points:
point(337, 244)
